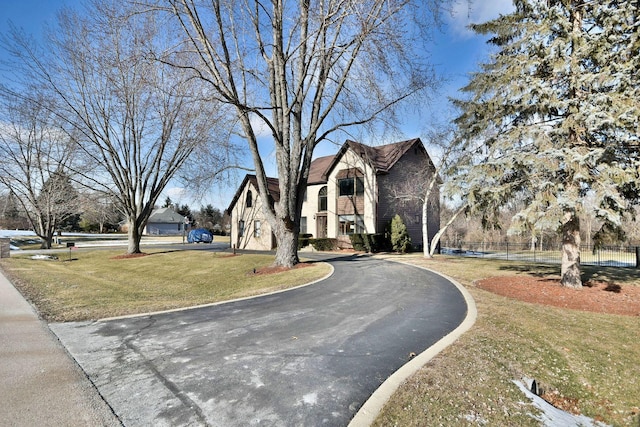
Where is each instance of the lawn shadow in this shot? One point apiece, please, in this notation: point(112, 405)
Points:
point(537, 270)
point(624, 275)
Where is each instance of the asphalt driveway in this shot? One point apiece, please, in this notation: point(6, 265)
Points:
point(306, 357)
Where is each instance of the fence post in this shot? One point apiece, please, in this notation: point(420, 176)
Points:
point(637, 256)
point(507, 251)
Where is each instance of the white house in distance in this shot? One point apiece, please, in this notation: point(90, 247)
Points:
point(349, 192)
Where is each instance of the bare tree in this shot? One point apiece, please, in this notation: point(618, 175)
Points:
point(137, 120)
point(99, 210)
point(304, 70)
point(35, 160)
point(423, 184)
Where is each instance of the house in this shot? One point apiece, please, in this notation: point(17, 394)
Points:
point(165, 221)
point(353, 191)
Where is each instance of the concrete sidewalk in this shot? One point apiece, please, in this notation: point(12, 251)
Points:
point(39, 382)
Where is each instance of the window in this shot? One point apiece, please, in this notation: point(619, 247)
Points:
point(322, 199)
point(350, 224)
point(351, 186)
point(240, 228)
point(256, 228)
point(303, 225)
point(249, 201)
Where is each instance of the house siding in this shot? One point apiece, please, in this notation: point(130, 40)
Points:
point(249, 215)
point(380, 169)
point(340, 205)
point(310, 208)
point(411, 210)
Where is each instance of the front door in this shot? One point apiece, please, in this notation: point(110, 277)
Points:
point(321, 226)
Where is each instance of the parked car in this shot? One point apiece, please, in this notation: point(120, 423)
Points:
point(200, 235)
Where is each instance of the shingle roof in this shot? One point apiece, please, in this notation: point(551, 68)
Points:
point(381, 158)
point(272, 187)
point(318, 168)
point(165, 216)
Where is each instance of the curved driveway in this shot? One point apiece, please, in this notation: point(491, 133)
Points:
point(306, 357)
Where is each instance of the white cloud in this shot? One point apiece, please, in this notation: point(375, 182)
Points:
point(175, 192)
point(467, 12)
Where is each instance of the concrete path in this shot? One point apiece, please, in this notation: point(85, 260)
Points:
point(40, 385)
point(306, 357)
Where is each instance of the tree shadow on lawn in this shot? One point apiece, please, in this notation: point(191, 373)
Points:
point(625, 275)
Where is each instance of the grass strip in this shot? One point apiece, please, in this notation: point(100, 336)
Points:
point(98, 284)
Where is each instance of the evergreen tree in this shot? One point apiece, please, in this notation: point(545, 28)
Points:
point(400, 240)
point(557, 107)
point(185, 211)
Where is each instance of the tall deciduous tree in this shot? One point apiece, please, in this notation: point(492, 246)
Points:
point(35, 159)
point(560, 99)
point(303, 70)
point(137, 120)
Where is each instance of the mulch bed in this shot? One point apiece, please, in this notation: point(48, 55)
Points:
point(599, 297)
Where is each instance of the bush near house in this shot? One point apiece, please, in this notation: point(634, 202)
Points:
point(370, 242)
point(303, 240)
point(400, 240)
point(324, 244)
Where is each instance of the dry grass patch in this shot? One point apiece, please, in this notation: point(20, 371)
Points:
point(588, 362)
point(99, 284)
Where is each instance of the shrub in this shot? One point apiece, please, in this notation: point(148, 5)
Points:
point(324, 244)
point(369, 242)
point(303, 240)
point(358, 242)
point(379, 242)
point(400, 240)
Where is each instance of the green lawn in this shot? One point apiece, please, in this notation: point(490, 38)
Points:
point(97, 284)
point(588, 361)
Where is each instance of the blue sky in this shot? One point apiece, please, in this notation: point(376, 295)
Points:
point(456, 52)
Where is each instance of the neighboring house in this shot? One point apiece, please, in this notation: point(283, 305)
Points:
point(349, 192)
point(165, 221)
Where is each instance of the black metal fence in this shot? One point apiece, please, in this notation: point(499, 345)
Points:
point(614, 256)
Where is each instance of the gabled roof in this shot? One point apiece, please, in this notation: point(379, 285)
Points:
point(272, 187)
point(381, 158)
point(165, 216)
point(317, 169)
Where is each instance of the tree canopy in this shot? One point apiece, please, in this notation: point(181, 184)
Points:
point(556, 107)
point(135, 120)
point(301, 71)
point(36, 157)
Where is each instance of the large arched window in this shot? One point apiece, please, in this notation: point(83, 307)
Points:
point(249, 201)
point(322, 199)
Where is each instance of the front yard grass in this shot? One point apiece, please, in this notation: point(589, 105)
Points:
point(590, 363)
point(98, 284)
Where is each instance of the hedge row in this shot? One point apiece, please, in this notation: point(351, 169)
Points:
point(370, 242)
point(322, 244)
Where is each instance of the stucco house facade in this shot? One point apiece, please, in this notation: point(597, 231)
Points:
point(353, 191)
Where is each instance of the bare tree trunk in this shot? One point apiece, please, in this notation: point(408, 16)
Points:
point(443, 229)
point(134, 236)
point(570, 270)
point(287, 250)
point(426, 252)
point(47, 242)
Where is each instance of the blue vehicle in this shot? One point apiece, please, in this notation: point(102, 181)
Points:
point(200, 235)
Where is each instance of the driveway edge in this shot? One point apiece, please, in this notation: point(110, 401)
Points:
point(211, 304)
point(370, 410)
